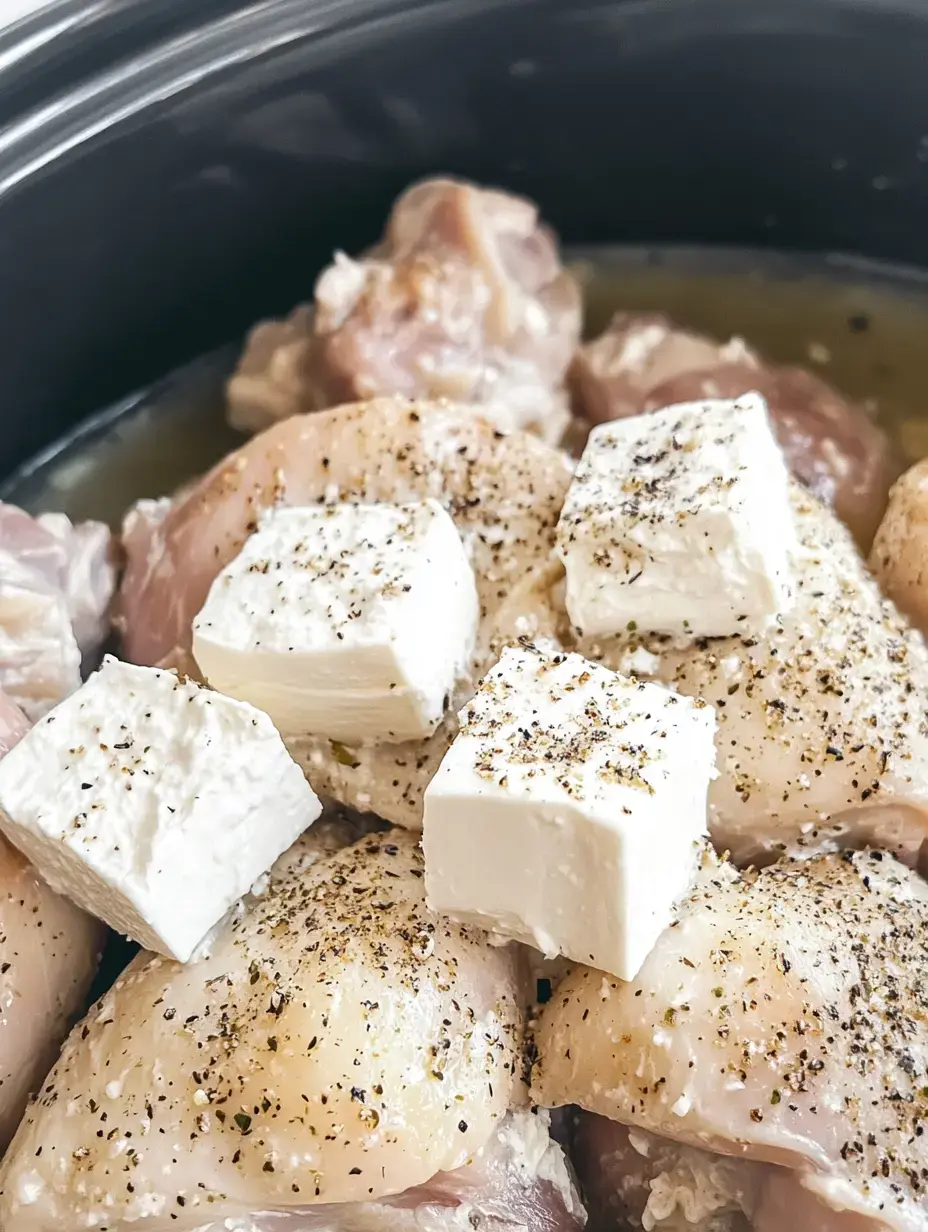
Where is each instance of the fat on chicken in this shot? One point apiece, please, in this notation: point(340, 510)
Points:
point(780, 1020)
point(339, 1043)
point(464, 298)
point(48, 957)
point(633, 1179)
point(822, 737)
point(56, 583)
point(520, 1181)
point(643, 362)
point(504, 492)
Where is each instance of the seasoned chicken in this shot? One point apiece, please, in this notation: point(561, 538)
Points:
point(48, 956)
point(464, 298)
point(503, 491)
point(56, 584)
point(780, 1019)
point(339, 1043)
point(643, 362)
point(900, 550)
point(822, 740)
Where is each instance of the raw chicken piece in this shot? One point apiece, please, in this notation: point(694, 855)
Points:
point(900, 550)
point(56, 584)
point(613, 376)
point(780, 1019)
point(643, 362)
point(48, 956)
point(340, 1043)
point(49, 952)
point(464, 298)
point(822, 738)
point(87, 575)
point(503, 491)
point(13, 724)
point(519, 1181)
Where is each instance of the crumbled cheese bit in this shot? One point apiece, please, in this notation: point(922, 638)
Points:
point(153, 803)
point(348, 621)
point(679, 522)
point(543, 820)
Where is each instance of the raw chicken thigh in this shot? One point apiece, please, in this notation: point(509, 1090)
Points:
point(465, 298)
point(48, 956)
point(643, 362)
point(56, 584)
point(900, 549)
point(822, 741)
point(633, 1179)
point(780, 1019)
point(503, 491)
point(340, 1044)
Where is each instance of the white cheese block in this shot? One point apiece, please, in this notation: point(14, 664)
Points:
point(679, 522)
point(346, 621)
point(570, 810)
point(153, 803)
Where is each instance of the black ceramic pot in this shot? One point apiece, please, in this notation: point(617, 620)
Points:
point(169, 171)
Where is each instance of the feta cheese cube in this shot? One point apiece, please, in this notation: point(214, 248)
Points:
point(679, 522)
point(346, 621)
point(153, 803)
point(570, 810)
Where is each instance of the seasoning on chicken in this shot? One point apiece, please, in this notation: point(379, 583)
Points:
point(643, 362)
point(339, 1044)
point(56, 584)
point(900, 550)
point(822, 739)
point(464, 298)
point(48, 955)
point(780, 1019)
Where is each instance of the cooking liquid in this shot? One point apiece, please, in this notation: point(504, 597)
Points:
point(862, 326)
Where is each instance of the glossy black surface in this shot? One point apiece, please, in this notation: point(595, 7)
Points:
point(200, 168)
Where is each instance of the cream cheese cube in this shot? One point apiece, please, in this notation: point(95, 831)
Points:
point(153, 803)
point(570, 811)
point(347, 621)
point(679, 522)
